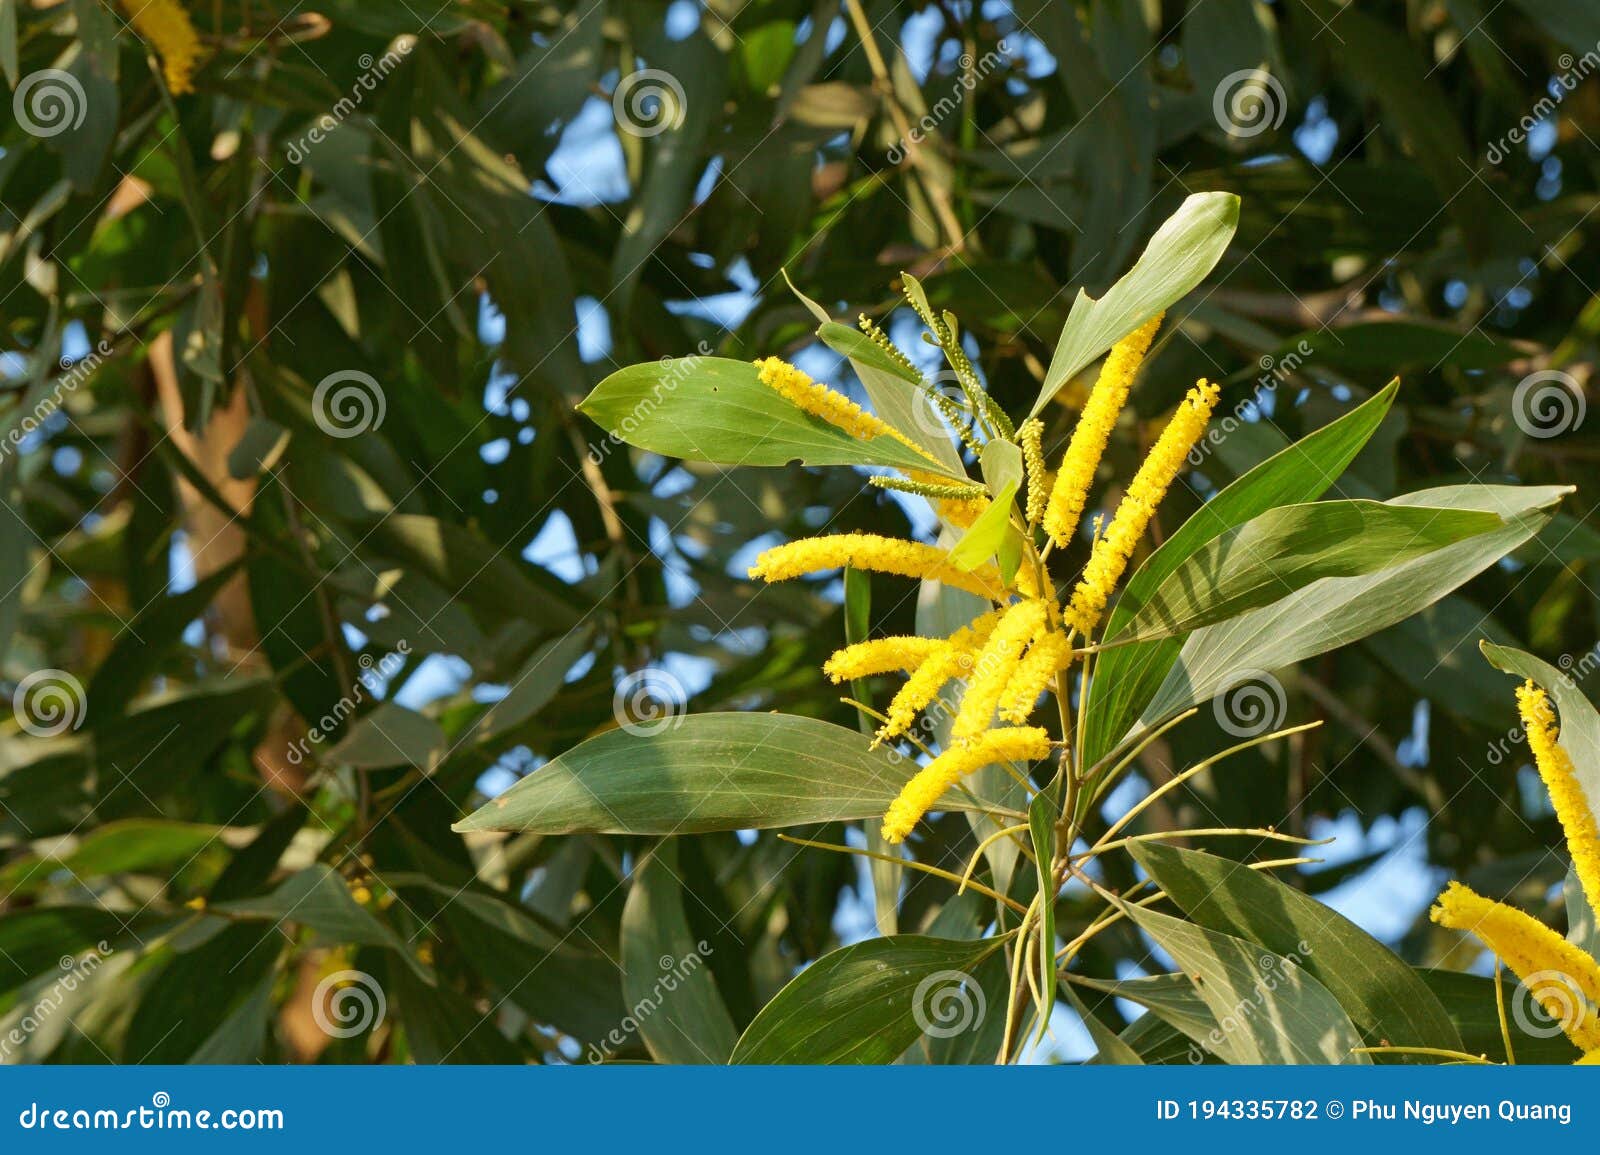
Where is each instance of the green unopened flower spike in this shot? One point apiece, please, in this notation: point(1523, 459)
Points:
point(879, 338)
point(933, 490)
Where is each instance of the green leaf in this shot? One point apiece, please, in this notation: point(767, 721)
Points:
point(1267, 1006)
point(1184, 249)
point(258, 448)
point(1583, 924)
point(1379, 992)
point(1336, 611)
point(317, 897)
point(1127, 677)
point(1171, 999)
point(390, 735)
point(706, 772)
point(868, 1002)
point(130, 846)
point(717, 410)
point(1112, 1050)
point(535, 684)
point(1286, 549)
point(665, 977)
point(987, 536)
point(8, 41)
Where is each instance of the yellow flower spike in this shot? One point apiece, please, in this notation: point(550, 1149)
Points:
point(1016, 743)
point(1592, 1058)
point(881, 656)
point(1111, 552)
point(833, 407)
point(1089, 437)
point(950, 660)
point(1046, 658)
point(869, 551)
point(167, 27)
point(1031, 435)
point(1561, 976)
point(1561, 779)
point(996, 664)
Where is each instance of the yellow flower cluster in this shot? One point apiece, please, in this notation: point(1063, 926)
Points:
point(1112, 551)
point(951, 658)
point(922, 793)
point(1574, 810)
point(881, 656)
point(1089, 436)
point(1046, 658)
point(1561, 976)
point(1031, 434)
point(995, 667)
point(166, 25)
point(834, 408)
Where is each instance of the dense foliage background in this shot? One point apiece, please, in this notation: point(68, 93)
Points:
point(306, 551)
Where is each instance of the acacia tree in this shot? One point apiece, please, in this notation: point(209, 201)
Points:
point(310, 551)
